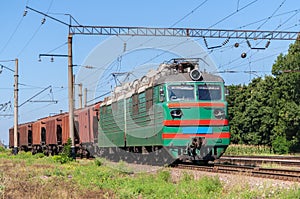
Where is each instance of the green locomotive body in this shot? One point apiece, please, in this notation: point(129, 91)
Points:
point(174, 113)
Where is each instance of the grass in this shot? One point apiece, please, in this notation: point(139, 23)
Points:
point(27, 176)
point(241, 149)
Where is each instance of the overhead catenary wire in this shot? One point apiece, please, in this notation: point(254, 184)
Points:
point(37, 30)
point(178, 21)
point(12, 35)
point(233, 13)
point(58, 47)
point(188, 14)
point(34, 96)
point(259, 27)
point(265, 20)
point(15, 30)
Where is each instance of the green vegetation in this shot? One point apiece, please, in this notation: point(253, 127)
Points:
point(31, 176)
point(242, 149)
point(2, 149)
point(66, 155)
point(267, 111)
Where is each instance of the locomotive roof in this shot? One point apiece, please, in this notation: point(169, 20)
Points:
point(185, 77)
point(179, 70)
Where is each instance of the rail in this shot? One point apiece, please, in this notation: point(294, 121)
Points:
point(272, 173)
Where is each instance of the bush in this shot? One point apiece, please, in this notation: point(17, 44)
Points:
point(66, 154)
point(39, 155)
point(67, 149)
point(2, 149)
point(280, 145)
point(62, 159)
point(98, 162)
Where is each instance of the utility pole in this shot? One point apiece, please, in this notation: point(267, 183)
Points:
point(80, 95)
point(16, 76)
point(71, 95)
point(85, 97)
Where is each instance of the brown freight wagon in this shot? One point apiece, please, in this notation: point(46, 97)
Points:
point(86, 124)
point(24, 140)
point(95, 120)
point(89, 120)
point(54, 134)
point(25, 136)
point(83, 125)
point(11, 138)
point(65, 128)
point(38, 136)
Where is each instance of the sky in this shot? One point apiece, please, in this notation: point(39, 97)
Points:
point(26, 37)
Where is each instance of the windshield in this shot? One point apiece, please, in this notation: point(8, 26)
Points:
point(209, 92)
point(181, 92)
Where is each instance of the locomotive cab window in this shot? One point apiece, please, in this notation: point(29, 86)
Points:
point(209, 92)
point(181, 92)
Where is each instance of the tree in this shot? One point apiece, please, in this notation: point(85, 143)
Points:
point(267, 111)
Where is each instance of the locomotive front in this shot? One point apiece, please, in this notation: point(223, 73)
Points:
point(195, 124)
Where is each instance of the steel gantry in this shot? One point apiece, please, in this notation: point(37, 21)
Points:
point(183, 32)
point(175, 32)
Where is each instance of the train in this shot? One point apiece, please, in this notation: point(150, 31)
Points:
point(175, 113)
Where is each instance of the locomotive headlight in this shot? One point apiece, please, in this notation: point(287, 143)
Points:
point(219, 113)
point(195, 75)
point(176, 113)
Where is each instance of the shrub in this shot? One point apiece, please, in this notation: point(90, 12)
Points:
point(98, 162)
point(66, 154)
point(39, 155)
point(62, 159)
point(67, 149)
point(280, 145)
point(2, 149)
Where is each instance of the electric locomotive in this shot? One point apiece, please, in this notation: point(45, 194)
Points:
point(175, 113)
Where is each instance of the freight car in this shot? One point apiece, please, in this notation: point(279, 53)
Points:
point(49, 135)
point(24, 136)
point(175, 113)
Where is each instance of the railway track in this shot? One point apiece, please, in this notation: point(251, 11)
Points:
point(272, 173)
point(288, 161)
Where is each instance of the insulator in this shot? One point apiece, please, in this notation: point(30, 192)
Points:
point(249, 44)
point(25, 13)
point(124, 47)
point(236, 45)
point(267, 44)
point(244, 55)
point(225, 42)
point(43, 20)
point(205, 42)
point(52, 59)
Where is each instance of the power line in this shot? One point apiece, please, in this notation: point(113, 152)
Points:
point(278, 15)
point(287, 20)
point(11, 36)
point(185, 16)
point(31, 38)
point(57, 47)
point(271, 15)
point(233, 13)
point(35, 96)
